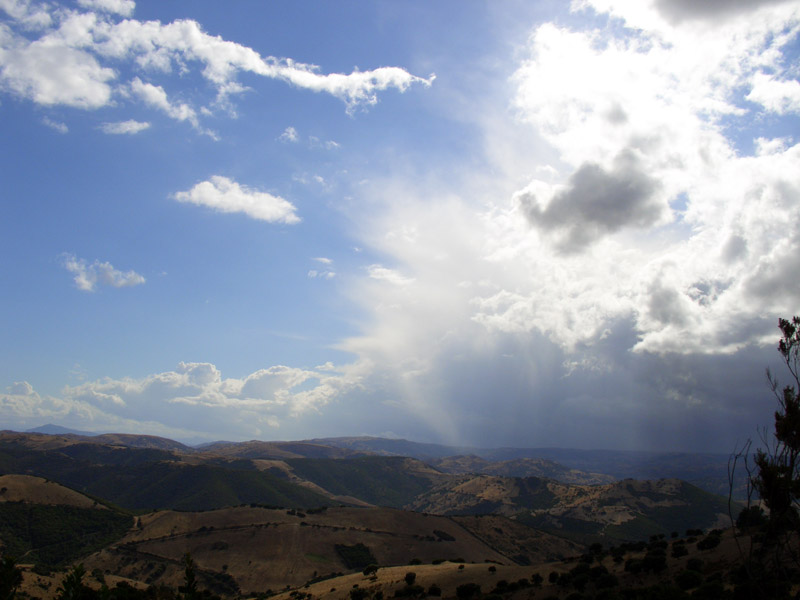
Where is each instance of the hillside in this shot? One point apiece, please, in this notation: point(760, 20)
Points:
point(707, 471)
point(520, 467)
point(147, 478)
point(626, 510)
point(264, 549)
point(44, 522)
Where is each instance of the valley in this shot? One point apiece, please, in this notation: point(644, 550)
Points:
point(261, 517)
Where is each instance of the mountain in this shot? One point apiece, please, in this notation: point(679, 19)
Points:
point(52, 525)
point(276, 450)
point(147, 478)
point(260, 549)
point(520, 467)
point(621, 511)
point(707, 471)
point(51, 429)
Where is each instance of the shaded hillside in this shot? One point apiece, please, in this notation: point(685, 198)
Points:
point(520, 467)
point(26, 488)
point(276, 450)
point(625, 510)
point(54, 525)
point(378, 480)
point(707, 471)
point(194, 487)
point(262, 549)
point(149, 478)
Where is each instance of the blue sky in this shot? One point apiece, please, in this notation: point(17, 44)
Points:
point(517, 223)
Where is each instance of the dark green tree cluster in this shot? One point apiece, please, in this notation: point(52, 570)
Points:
point(771, 559)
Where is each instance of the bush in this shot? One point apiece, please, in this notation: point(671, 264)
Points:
point(709, 542)
point(409, 590)
point(468, 590)
point(358, 594)
point(694, 564)
point(434, 590)
point(687, 580)
point(357, 556)
point(410, 578)
point(607, 581)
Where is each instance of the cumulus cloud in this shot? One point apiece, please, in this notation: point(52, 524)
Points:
point(225, 195)
point(382, 273)
point(56, 125)
point(196, 394)
point(625, 269)
point(89, 275)
point(52, 71)
point(776, 95)
point(326, 272)
point(70, 62)
point(596, 202)
point(155, 96)
point(289, 135)
point(129, 127)
point(677, 11)
point(120, 7)
point(186, 400)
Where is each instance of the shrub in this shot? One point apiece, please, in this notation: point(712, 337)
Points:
point(694, 564)
point(410, 578)
point(409, 590)
point(465, 591)
point(358, 594)
point(434, 590)
point(709, 542)
point(687, 580)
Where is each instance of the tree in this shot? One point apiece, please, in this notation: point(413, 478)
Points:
point(72, 587)
point(10, 578)
point(771, 562)
point(778, 478)
point(189, 587)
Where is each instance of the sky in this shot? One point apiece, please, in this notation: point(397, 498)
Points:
point(484, 223)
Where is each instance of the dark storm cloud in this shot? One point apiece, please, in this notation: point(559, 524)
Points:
point(665, 304)
point(597, 202)
point(676, 11)
point(525, 391)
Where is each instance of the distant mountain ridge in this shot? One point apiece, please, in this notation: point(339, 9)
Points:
point(707, 471)
point(51, 429)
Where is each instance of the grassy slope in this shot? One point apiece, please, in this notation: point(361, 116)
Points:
point(148, 481)
point(379, 480)
point(56, 535)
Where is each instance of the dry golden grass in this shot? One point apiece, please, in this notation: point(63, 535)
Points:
point(25, 488)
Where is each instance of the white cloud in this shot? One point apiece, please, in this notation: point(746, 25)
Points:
point(289, 135)
point(314, 274)
point(635, 247)
point(69, 63)
point(190, 398)
point(129, 127)
point(325, 273)
point(52, 70)
point(382, 273)
point(225, 195)
point(776, 95)
point(56, 125)
point(89, 276)
point(28, 15)
point(155, 96)
point(120, 7)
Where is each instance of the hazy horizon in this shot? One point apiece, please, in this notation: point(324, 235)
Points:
point(527, 224)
